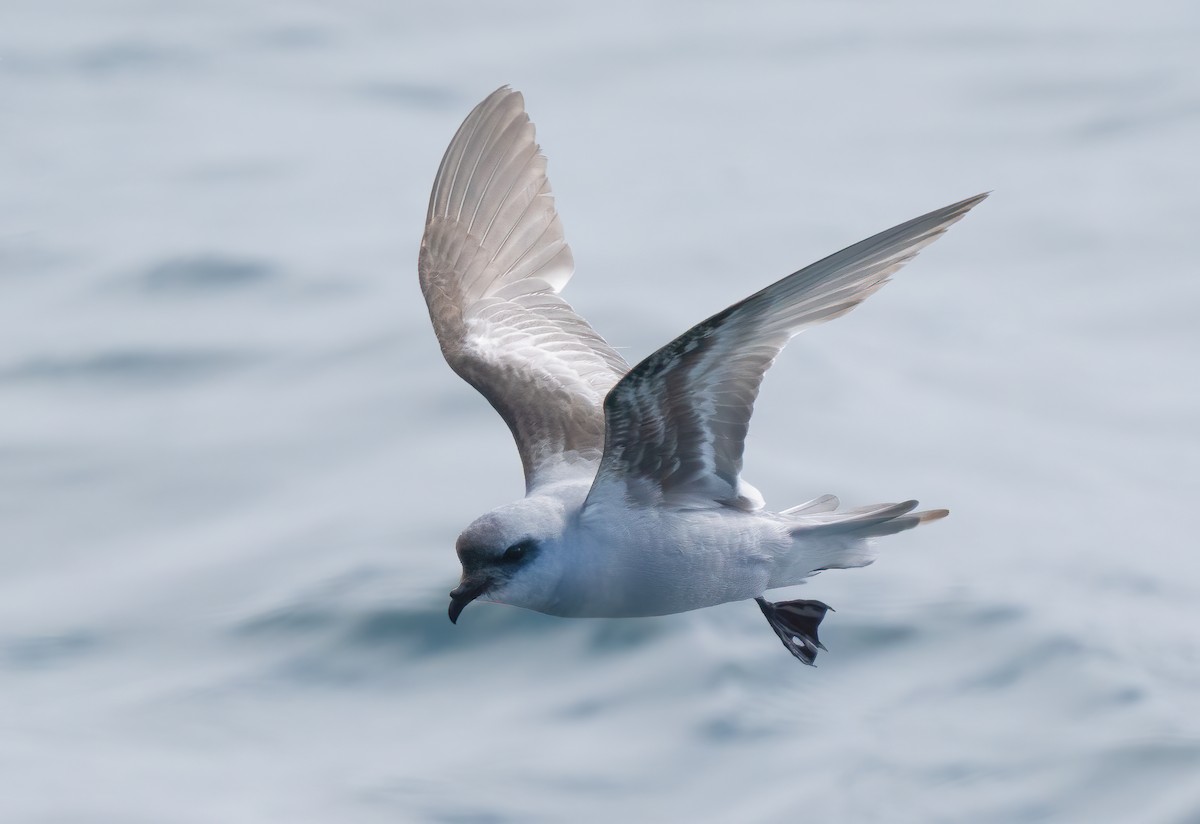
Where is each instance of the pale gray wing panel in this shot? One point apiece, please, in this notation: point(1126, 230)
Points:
point(493, 259)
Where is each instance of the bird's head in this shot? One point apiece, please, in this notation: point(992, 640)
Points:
point(508, 556)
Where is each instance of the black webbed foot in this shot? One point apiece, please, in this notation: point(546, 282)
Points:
point(796, 622)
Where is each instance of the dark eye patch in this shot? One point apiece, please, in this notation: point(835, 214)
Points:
point(517, 552)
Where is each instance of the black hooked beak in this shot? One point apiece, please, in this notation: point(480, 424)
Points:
point(465, 593)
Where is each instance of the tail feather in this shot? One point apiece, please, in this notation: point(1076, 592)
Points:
point(825, 539)
point(850, 520)
point(902, 523)
point(825, 503)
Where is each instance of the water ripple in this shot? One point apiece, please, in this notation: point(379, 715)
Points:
point(45, 651)
point(205, 273)
point(128, 366)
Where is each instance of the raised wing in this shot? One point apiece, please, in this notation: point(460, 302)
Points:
point(677, 423)
point(493, 260)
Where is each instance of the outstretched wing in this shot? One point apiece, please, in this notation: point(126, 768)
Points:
point(677, 423)
point(493, 260)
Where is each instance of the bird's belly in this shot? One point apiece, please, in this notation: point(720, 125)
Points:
point(659, 569)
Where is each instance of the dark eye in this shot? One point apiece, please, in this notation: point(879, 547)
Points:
point(515, 552)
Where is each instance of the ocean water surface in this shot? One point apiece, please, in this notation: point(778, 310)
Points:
point(233, 463)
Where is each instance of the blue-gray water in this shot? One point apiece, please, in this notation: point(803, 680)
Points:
point(233, 464)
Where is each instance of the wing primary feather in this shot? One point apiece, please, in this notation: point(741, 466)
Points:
point(676, 423)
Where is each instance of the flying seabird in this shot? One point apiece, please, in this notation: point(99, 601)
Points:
point(634, 501)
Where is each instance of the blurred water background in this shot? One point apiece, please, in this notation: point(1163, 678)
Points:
point(233, 463)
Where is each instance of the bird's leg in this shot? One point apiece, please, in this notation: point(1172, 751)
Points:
point(796, 622)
